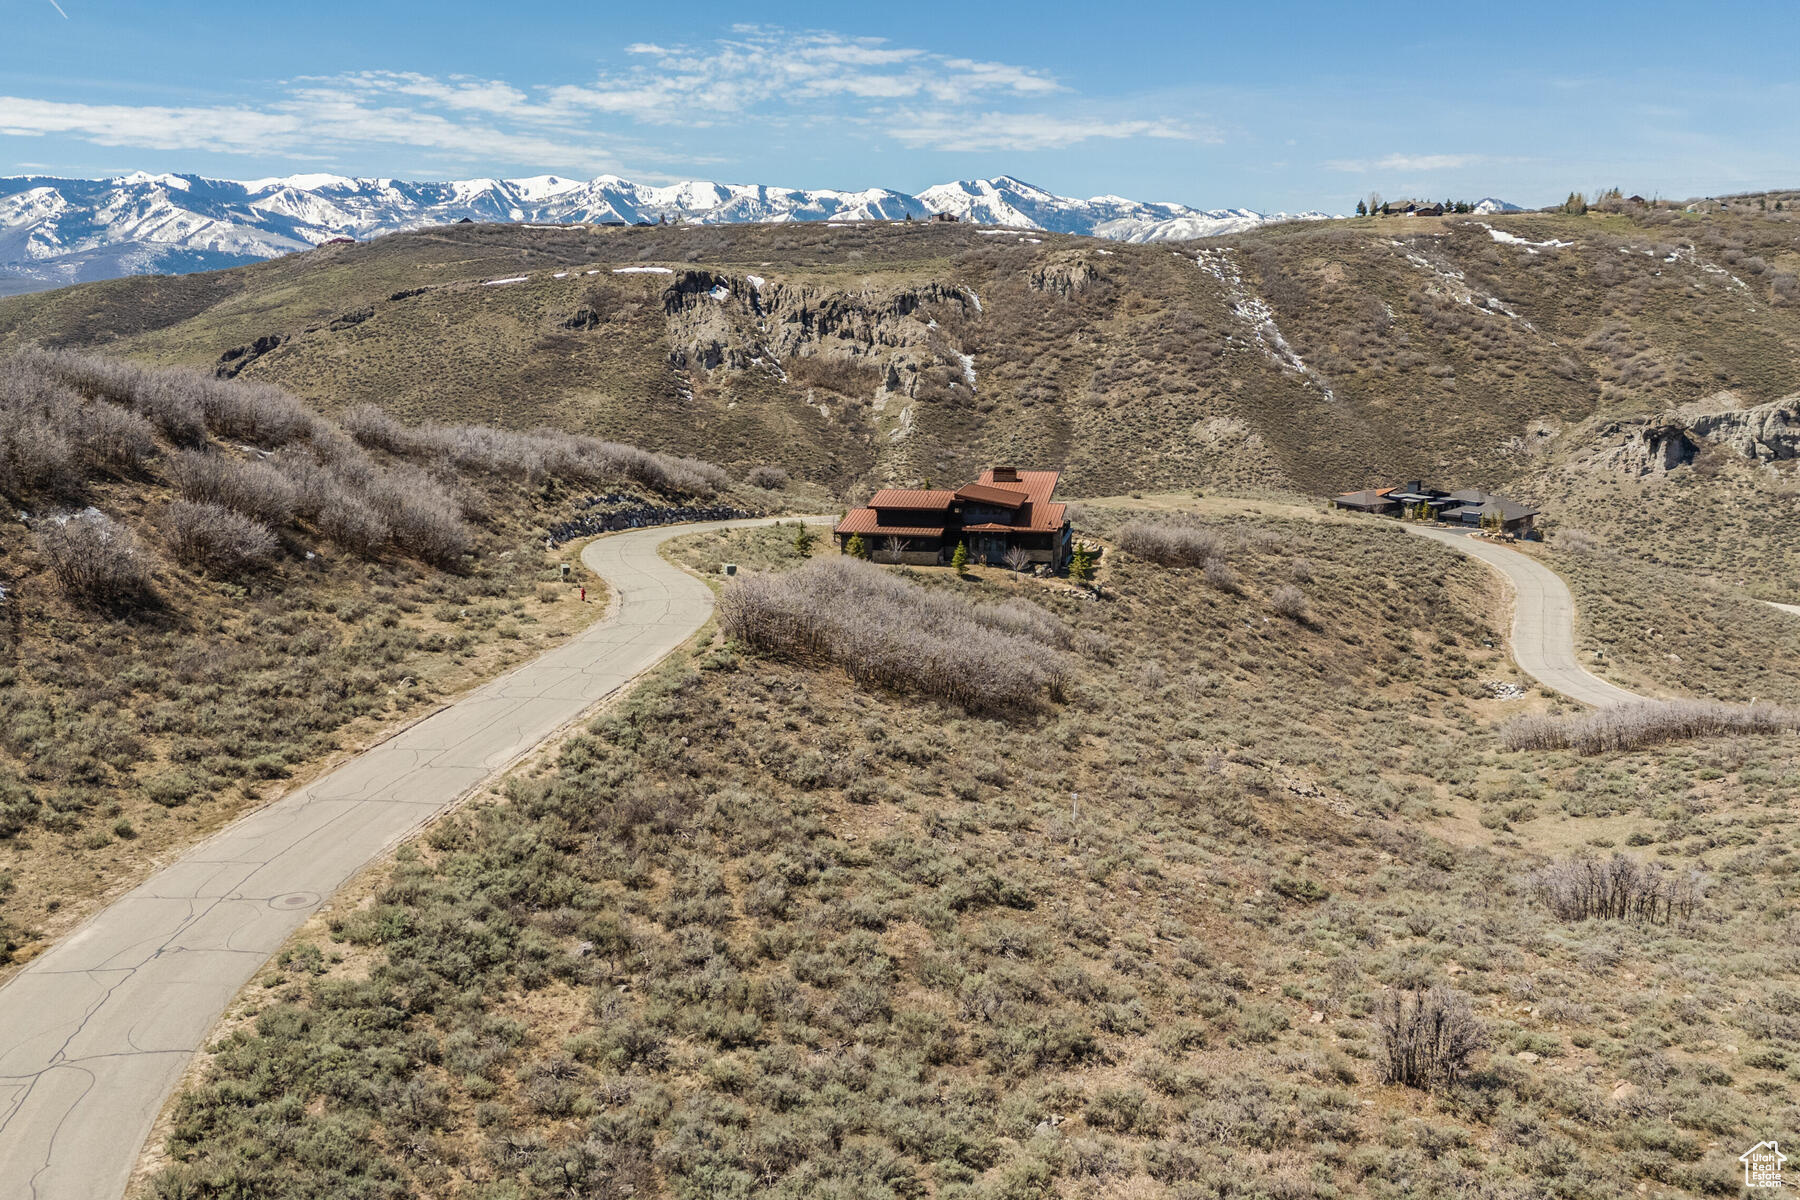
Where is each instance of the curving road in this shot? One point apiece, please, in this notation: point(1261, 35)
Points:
point(96, 1031)
point(1543, 633)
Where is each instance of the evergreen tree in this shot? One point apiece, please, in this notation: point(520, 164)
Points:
point(1081, 563)
point(856, 547)
point(1362, 210)
point(803, 540)
point(959, 558)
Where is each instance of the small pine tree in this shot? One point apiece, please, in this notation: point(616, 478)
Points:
point(1362, 209)
point(856, 547)
point(959, 558)
point(803, 540)
point(1081, 563)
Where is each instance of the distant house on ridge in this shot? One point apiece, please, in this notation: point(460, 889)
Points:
point(1005, 509)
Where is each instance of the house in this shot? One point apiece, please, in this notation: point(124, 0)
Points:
point(1373, 501)
point(1004, 510)
point(1469, 506)
point(944, 218)
point(1430, 210)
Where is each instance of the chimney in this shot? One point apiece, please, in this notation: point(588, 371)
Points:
point(1006, 474)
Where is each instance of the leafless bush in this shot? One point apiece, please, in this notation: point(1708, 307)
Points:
point(350, 523)
point(1578, 541)
point(255, 489)
point(214, 538)
point(1629, 726)
point(96, 559)
point(1427, 1038)
point(887, 632)
point(1301, 570)
point(1618, 889)
point(1219, 574)
point(768, 478)
point(543, 452)
point(422, 517)
point(1017, 558)
point(52, 440)
point(1171, 544)
point(1290, 602)
point(259, 413)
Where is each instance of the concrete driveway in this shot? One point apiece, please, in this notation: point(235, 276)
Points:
point(96, 1031)
point(1543, 633)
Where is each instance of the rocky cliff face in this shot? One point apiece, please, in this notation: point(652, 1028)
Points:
point(1765, 433)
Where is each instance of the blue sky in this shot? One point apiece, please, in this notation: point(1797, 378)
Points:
point(1290, 106)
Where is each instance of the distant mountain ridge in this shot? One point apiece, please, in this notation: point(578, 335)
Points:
point(57, 231)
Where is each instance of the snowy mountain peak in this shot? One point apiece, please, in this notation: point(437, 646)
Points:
point(1489, 205)
point(72, 230)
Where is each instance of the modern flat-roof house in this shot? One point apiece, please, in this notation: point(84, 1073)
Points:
point(1005, 509)
point(1470, 506)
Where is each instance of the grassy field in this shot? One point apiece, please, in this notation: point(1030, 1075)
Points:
point(760, 931)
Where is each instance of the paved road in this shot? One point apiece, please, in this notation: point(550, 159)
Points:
point(1543, 633)
point(95, 1032)
point(1786, 608)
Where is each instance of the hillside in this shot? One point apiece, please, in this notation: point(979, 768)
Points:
point(1628, 369)
point(209, 594)
point(762, 930)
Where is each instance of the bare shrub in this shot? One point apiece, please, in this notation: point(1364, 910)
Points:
point(421, 516)
point(1427, 1037)
point(95, 559)
point(52, 441)
point(352, 524)
point(768, 478)
point(1578, 541)
point(216, 539)
point(255, 489)
point(115, 439)
point(1169, 543)
point(887, 632)
point(1017, 558)
point(1290, 602)
point(1301, 570)
point(1619, 888)
point(531, 456)
point(259, 413)
point(1629, 726)
point(1219, 574)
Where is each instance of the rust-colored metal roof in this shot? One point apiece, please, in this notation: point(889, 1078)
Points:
point(935, 500)
point(993, 527)
point(1037, 485)
point(867, 521)
point(984, 493)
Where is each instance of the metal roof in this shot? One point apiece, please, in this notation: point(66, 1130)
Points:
point(935, 500)
point(867, 521)
point(983, 493)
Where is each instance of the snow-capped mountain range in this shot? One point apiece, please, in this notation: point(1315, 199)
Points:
point(56, 231)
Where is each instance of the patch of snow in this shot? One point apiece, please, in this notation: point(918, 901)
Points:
point(1530, 247)
point(755, 281)
point(560, 275)
point(1255, 313)
point(498, 282)
point(1107, 252)
point(720, 292)
point(642, 271)
point(973, 298)
point(968, 365)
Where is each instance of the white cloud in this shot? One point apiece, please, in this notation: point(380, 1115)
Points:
point(1405, 162)
point(1024, 131)
point(769, 76)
